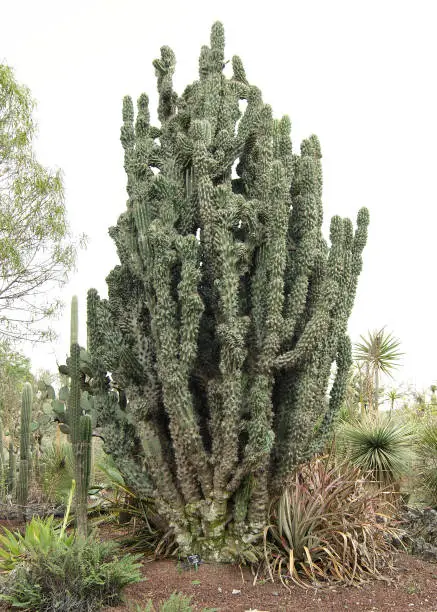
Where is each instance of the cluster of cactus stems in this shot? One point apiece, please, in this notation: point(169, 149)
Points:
point(213, 353)
point(25, 452)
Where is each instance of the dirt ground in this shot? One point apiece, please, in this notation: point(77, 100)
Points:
point(412, 586)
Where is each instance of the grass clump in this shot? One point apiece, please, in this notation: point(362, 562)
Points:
point(177, 602)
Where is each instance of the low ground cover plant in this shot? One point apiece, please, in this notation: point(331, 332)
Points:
point(48, 570)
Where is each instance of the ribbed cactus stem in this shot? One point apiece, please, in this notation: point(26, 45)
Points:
point(12, 467)
point(74, 321)
point(26, 416)
point(80, 427)
point(83, 461)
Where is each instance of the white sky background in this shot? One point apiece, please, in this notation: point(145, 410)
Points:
point(359, 74)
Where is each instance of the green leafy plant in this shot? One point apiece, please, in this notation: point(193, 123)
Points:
point(37, 250)
point(177, 602)
point(326, 527)
point(41, 536)
point(380, 447)
point(50, 570)
point(84, 575)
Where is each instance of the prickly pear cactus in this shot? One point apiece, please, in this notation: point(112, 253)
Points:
point(227, 311)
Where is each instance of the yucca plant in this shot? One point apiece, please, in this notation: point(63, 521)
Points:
point(381, 447)
point(327, 527)
point(57, 471)
point(426, 450)
point(378, 354)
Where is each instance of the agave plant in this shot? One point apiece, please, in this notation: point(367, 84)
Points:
point(380, 447)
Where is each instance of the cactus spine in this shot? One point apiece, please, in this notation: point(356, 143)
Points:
point(227, 310)
point(24, 470)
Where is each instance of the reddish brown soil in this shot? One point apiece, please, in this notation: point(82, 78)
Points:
point(412, 586)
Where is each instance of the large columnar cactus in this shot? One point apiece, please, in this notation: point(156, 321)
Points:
point(76, 420)
point(227, 311)
point(25, 433)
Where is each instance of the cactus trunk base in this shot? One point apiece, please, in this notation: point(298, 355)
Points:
point(203, 530)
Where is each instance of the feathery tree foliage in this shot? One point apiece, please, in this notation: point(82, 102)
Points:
point(36, 248)
point(14, 373)
point(227, 310)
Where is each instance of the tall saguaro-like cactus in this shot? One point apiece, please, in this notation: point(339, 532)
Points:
point(25, 433)
point(76, 421)
point(227, 311)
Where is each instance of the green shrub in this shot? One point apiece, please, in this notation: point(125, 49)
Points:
point(41, 536)
point(83, 576)
point(379, 446)
point(50, 570)
point(177, 602)
point(327, 526)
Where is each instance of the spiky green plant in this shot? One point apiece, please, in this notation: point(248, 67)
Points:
point(426, 449)
point(57, 471)
point(24, 471)
point(381, 447)
point(326, 527)
point(227, 310)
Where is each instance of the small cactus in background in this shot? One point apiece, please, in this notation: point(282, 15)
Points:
point(26, 417)
point(12, 466)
